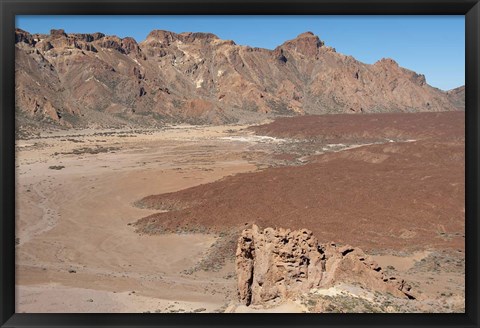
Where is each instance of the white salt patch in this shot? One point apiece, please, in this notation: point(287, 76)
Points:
point(255, 139)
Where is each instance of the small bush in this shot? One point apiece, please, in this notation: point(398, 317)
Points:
point(56, 167)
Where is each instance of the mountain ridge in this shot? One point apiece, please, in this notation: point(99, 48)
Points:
point(82, 79)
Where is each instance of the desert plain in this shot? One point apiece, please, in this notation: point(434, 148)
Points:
point(147, 220)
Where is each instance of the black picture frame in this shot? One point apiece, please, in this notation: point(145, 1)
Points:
point(9, 9)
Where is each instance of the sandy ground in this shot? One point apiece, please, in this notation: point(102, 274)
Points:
point(75, 243)
point(78, 251)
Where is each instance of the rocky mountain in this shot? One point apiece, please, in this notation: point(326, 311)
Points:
point(99, 80)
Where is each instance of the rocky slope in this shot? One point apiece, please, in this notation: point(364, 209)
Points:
point(99, 80)
point(457, 96)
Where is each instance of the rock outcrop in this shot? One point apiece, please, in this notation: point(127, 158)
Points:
point(274, 264)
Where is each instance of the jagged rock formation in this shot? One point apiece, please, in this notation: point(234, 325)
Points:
point(95, 79)
point(280, 264)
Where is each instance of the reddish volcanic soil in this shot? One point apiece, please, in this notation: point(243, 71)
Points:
point(403, 195)
point(351, 127)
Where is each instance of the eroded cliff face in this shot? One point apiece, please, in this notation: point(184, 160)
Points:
point(95, 79)
point(279, 264)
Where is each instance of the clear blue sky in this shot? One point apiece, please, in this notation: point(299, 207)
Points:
point(430, 45)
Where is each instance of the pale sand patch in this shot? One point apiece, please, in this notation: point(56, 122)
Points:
point(50, 298)
point(72, 223)
point(286, 307)
point(344, 289)
point(400, 263)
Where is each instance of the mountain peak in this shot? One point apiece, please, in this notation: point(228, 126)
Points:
point(168, 37)
point(23, 36)
point(193, 36)
point(305, 43)
point(387, 61)
point(163, 36)
point(306, 35)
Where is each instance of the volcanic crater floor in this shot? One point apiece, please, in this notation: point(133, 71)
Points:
point(147, 220)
